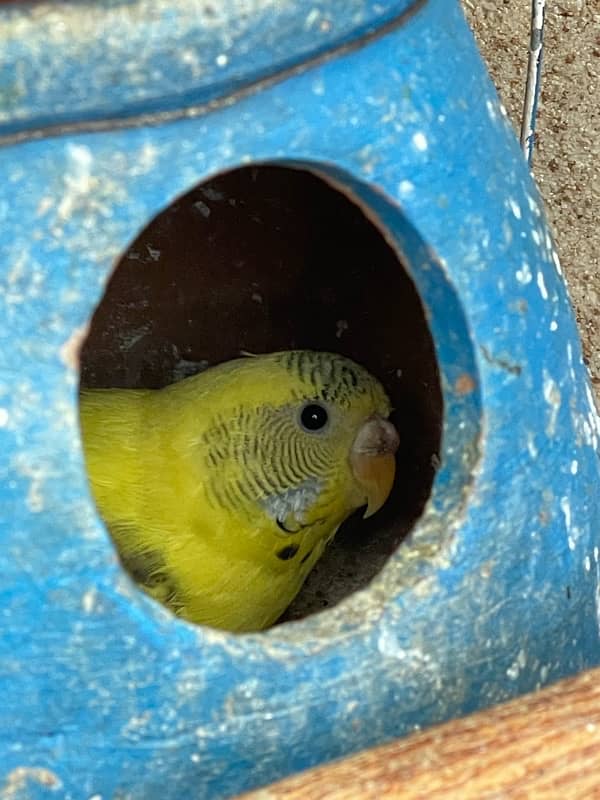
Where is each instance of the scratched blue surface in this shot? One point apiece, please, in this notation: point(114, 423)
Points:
point(65, 62)
point(103, 693)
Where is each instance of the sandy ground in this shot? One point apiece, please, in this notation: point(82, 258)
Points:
point(567, 157)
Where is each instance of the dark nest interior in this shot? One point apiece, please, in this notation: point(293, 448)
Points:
point(267, 258)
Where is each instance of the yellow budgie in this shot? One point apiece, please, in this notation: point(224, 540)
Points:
point(221, 491)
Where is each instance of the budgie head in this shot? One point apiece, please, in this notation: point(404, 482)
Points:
point(302, 437)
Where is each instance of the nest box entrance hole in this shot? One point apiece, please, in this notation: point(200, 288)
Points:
point(266, 258)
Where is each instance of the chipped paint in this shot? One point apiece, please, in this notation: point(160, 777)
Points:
point(420, 142)
point(542, 285)
point(69, 352)
point(552, 396)
point(88, 601)
point(523, 275)
point(517, 665)
point(531, 446)
point(23, 779)
point(514, 207)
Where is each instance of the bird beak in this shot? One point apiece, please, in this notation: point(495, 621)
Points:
point(373, 462)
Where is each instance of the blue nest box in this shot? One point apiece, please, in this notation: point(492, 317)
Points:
point(340, 175)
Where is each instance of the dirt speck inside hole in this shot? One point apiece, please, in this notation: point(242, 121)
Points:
point(268, 258)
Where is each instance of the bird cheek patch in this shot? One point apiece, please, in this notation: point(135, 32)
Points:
point(290, 509)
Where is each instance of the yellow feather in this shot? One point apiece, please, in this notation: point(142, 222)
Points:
point(201, 482)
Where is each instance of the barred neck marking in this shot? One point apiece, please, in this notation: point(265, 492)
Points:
point(278, 468)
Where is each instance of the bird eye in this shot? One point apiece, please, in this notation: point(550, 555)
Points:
point(313, 417)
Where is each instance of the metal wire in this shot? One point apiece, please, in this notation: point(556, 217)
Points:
point(534, 75)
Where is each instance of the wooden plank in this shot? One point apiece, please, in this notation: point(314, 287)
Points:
point(544, 745)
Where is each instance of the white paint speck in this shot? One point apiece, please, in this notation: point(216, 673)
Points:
point(593, 416)
point(553, 399)
point(390, 114)
point(192, 60)
point(565, 507)
point(78, 179)
point(532, 449)
point(388, 644)
point(587, 563)
point(312, 16)
point(535, 235)
point(544, 669)
point(88, 601)
point(515, 208)
point(524, 275)
point(557, 263)
point(542, 285)
point(533, 206)
point(221, 60)
point(419, 141)
point(587, 432)
point(406, 187)
point(318, 87)
point(571, 542)
point(45, 204)
point(3, 418)
point(554, 325)
point(515, 668)
point(574, 467)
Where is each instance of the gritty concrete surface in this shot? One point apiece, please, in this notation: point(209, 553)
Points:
point(567, 157)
